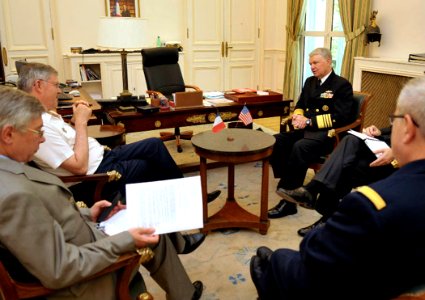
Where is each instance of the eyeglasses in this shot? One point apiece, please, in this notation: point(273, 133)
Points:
point(40, 133)
point(392, 117)
point(55, 84)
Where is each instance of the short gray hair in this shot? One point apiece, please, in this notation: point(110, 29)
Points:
point(18, 108)
point(31, 72)
point(412, 101)
point(323, 52)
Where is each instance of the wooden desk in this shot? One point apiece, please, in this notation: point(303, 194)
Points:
point(66, 111)
point(135, 121)
point(234, 146)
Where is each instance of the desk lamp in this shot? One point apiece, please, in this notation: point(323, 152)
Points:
point(122, 33)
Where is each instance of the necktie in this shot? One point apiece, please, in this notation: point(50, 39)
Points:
point(318, 82)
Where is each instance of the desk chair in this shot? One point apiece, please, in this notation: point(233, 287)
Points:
point(29, 287)
point(163, 78)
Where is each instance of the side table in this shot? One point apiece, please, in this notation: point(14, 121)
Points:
point(108, 135)
point(234, 146)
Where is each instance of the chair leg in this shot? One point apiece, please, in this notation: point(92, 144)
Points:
point(166, 136)
point(177, 135)
point(186, 135)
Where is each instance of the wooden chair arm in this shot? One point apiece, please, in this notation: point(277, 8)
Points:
point(101, 179)
point(154, 94)
point(196, 88)
point(124, 266)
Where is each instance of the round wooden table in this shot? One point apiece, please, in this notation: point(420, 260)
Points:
point(108, 135)
point(234, 146)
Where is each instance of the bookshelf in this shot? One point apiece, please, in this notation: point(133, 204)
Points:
point(108, 68)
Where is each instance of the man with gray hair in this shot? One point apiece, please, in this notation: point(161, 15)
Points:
point(326, 102)
point(39, 216)
point(69, 150)
point(372, 246)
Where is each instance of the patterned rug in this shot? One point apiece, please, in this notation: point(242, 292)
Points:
point(222, 261)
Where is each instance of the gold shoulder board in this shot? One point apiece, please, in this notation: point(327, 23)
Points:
point(373, 196)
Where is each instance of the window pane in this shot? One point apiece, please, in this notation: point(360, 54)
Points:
point(337, 49)
point(336, 23)
point(310, 43)
point(315, 15)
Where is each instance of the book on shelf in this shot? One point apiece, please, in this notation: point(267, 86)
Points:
point(92, 75)
point(417, 57)
point(83, 73)
point(88, 74)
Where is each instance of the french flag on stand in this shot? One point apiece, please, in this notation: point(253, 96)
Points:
point(218, 124)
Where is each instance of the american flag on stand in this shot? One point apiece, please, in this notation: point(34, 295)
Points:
point(245, 116)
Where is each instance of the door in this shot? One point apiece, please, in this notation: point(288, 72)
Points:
point(222, 44)
point(26, 32)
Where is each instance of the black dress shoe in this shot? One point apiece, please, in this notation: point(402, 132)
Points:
point(319, 223)
point(256, 270)
point(282, 209)
point(193, 241)
point(199, 287)
point(300, 196)
point(213, 195)
point(264, 253)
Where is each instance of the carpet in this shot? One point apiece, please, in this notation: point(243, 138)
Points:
point(222, 261)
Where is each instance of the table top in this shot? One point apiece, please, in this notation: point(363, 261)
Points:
point(233, 141)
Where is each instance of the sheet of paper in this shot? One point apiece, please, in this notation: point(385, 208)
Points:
point(166, 205)
point(361, 135)
point(373, 143)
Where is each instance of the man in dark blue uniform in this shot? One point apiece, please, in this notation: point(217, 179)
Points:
point(350, 165)
point(372, 247)
point(326, 102)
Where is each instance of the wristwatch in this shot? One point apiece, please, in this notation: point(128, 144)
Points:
point(308, 122)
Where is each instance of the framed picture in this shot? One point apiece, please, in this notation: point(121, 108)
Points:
point(122, 8)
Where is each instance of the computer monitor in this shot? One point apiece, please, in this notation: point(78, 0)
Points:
point(19, 64)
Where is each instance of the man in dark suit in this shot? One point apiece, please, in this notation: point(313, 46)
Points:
point(326, 102)
point(350, 165)
point(54, 240)
point(372, 246)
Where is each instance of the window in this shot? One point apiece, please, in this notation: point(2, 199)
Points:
point(323, 28)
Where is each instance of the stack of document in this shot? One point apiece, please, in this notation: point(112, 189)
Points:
point(213, 95)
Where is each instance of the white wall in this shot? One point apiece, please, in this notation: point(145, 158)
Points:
point(77, 21)
point(402, 25)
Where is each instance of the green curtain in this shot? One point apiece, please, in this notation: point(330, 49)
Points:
point(354, 17)
point(295, 25)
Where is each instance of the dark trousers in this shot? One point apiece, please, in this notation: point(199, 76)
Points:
point(142, 161)
point(293, 153)
point(346, 168)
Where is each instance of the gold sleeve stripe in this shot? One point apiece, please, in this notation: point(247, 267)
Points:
point(373, 196)
point(328, 121)
point(299, 111)
point(319, 121)
point(324, 121)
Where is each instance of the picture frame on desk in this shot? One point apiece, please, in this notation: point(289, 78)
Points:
point(122, 8)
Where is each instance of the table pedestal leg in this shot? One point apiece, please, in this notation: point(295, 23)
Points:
point(232, 215)
point(231, 182)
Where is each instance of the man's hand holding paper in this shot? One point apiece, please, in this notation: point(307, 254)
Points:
point(167, 205)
